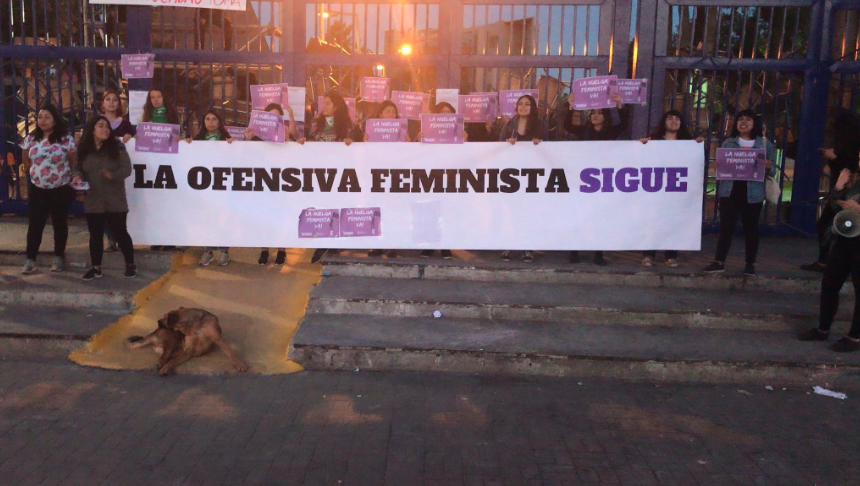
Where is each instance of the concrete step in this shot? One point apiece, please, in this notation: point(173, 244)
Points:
point(568, 303)
point(559, 349)
point(54, 322)
point(79, 255)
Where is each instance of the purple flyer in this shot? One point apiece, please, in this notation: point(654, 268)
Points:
point(137, 65)
point(508, 100)
point(591, 93)
point(375, 90)
point(411, 105)
point(263, 94)
point(162, 138)
point(267, 126)
point(361, 222)
point(350, 105)
point(633, 91)
point(319, 223)
point(237, 133)
point(387, 130)
point(480, 107)
point(736, 164)
point(442, 128)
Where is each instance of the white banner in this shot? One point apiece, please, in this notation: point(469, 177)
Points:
point(480, 196)
point(216, 4)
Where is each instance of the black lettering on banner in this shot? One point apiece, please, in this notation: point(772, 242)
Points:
point(493, 184)
point(591, 183)
point(262, 177)
point(378, 176)
point(532, 175)
point(451, 180)
point(307, 180)
point(325, 178)
point(239, 182)
point(510, 181)
point(397, 184)
point(199, 178)
point(219, 176)
point(164, 178)
point(424, 181)
point(140, 181)
point(291, 180)
point(349, 181)
point(557, 181)
point(468, 178)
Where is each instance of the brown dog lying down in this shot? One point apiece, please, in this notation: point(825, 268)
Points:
point(184, 334)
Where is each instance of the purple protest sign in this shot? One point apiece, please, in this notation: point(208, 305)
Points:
point(137, 65)
point(350, 105)
point(633, 91)
point(411, 105)
point(319, 223)
point(361, 222)
point(263, 94)
point(162, 138)
point(375, 90)
point(386, 130)
point(442, 128)
point(236, 132)
point(508, 100)
point(267, 126)
point(480, 107)
point(591, 93)
point(737, 164)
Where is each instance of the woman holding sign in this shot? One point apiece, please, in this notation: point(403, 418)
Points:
point(157, 110)
point(598, 126)
point(104, 166)
point(49, 152)
point(111, 108)
point(742, 199)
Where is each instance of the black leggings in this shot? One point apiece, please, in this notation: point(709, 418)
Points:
point(43, 203)
point(731, 208)
point(116, 222)
point(844, 260)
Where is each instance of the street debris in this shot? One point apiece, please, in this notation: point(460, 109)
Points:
point(744, 392)
point(828, 393)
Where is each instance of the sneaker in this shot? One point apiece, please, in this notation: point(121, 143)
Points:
point(749, 270)
point(599, 260)
point(111, 247)
point(506, 256)
point(574, 257)
point(813, 267)
point(206, 258)
point(374, 253)
point(846, 344)
point(426, 254)
point(319, 254)
point(280, 259)
point(391, 254)
point(814, 334)
point(647, 262)
point(528, 257)
point(29, 266)
point(223, 258)
point(446, 254)
point(58, 264)
point(264, 257)
point(92, 273)
point(715, 267)
point(130, 271)
point(671, 263)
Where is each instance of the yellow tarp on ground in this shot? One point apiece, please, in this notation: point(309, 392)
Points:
point(259, 309)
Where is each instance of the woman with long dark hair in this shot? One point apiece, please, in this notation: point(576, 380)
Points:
point(158, 110)
point(742, 199)
point(104, 165)
point(111, 108)
point(672, 126)
point(49, 153)
point(598, 126)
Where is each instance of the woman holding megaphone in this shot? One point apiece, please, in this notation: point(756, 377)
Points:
point(843, 260)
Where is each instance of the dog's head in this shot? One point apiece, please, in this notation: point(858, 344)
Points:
point(170, 319)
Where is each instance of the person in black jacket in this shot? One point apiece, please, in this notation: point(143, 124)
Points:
point(598, 126)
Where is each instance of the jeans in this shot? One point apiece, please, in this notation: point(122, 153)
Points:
point(116, 221)
point(43, 203)
point(844, 260)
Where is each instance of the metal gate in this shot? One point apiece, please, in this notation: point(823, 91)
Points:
point(706, 58)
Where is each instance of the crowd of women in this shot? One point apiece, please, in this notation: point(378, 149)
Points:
point(57, 163)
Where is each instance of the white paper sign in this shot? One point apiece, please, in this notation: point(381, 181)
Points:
point(136, 101)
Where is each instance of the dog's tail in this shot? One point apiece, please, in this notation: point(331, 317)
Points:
point(134, 342)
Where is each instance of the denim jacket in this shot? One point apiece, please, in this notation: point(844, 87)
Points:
point(755, 189)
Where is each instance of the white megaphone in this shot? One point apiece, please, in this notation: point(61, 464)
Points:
point(847, 223)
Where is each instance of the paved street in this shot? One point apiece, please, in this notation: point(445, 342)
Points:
point(63, 424)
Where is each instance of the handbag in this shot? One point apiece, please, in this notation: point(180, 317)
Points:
point(772, 191)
